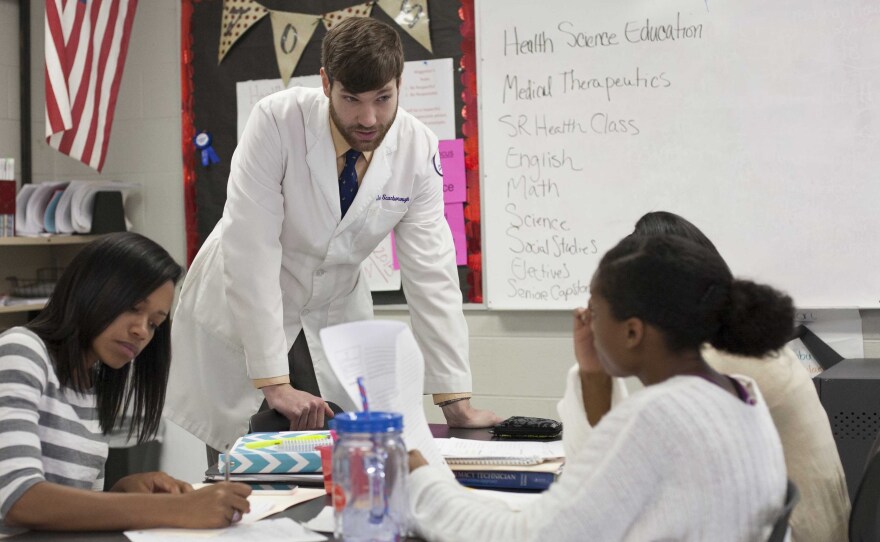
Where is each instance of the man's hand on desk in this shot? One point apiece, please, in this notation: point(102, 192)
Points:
point(150, 482)
point(304, 410)
point(462, 414)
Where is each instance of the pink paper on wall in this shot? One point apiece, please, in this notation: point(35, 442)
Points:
point(452, 163)
point(454, 213)
point(394, 263)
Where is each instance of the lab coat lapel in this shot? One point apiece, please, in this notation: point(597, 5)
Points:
point(321, 156)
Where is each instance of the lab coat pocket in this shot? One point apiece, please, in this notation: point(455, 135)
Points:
point(379, 222)
point(204, 296)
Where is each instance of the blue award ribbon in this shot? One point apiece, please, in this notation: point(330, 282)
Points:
point(202, 141)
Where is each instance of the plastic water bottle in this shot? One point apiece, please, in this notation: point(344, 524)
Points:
point(370, 469)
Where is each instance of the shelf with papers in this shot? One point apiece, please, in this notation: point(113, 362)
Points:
point(22, 258)
point(47, 240)
point(28, 307)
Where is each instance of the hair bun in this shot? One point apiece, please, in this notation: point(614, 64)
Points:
point(758, 320)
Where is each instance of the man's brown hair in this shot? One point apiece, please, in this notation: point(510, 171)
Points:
point(363, 54)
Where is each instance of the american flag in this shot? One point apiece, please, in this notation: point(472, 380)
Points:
point(86, 43)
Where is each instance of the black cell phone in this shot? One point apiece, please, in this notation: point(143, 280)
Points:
point(526, 427)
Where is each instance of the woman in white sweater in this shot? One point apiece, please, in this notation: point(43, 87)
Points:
point(694, 456)
point(811, 458)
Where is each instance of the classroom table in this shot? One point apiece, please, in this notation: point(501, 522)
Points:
point(301, 512)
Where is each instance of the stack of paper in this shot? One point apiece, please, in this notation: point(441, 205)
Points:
point(31, 205)
point(62, 207)
point(76, 216)
point(386, 355)
point(263, 504)
point(511, 451)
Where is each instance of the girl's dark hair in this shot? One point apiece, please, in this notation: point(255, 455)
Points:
point(687, 292)
point(108, 277)
point(363, 54)
point(666, 223)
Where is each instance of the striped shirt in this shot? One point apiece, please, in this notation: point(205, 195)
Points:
point(47, 433)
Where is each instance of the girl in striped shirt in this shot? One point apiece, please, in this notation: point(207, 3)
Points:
point(100, 348)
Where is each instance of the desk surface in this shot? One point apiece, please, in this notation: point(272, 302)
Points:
point(302, 512)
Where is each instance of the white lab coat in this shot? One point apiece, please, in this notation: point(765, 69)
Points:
point(280, 260)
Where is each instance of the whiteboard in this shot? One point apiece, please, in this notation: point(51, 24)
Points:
point(757, 121)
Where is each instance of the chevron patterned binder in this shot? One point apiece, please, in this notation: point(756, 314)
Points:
point(271, 459)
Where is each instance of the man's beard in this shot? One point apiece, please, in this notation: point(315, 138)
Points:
point(348, 132)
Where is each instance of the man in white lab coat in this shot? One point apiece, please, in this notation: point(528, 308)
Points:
point(285, 259)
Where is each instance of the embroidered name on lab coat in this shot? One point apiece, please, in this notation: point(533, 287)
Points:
point(385, 197)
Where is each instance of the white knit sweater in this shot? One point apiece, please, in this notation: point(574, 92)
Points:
point(680, 460)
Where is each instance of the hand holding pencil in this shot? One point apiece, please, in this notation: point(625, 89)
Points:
point(236, 515)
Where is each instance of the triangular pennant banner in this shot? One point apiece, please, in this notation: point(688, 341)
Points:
point(335, 17)
point(292, 32)
point(238, 17)
point(412, 16)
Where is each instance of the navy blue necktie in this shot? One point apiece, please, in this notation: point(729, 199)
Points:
point(348, 180)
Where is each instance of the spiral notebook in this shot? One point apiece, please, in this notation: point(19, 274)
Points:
point(513, 453)
point(262, 453)
point(499, 460)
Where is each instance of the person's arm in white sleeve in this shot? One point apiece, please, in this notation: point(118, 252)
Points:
point(584, 504)
point(573, 411)
point(252, 222)
point(589, 393)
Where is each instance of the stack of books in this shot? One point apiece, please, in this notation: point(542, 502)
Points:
point(523, 465)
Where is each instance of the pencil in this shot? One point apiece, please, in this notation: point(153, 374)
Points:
point(236, 515)
point(226, 463)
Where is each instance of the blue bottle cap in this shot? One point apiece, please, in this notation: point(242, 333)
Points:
point(367, 422)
